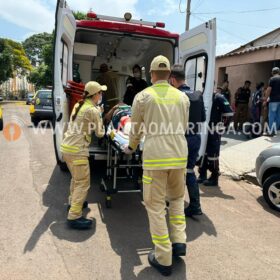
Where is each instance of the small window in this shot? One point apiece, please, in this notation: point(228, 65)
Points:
point(64, 63)
point(45, 94)
point(195, 70)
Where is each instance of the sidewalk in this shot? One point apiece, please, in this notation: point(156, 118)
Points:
point(239, 160)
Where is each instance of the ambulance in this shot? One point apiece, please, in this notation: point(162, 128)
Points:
point(122, 43)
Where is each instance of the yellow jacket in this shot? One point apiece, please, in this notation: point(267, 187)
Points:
point(161, 113)
point(78, 135)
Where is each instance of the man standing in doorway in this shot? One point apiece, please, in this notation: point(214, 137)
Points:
point(242, 97)
point(273, 96)
point(226, 92)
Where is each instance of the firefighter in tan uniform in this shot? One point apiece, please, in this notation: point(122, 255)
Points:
point(85, 118)
point(161, 112)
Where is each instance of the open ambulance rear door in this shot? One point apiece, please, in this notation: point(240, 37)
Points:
point(65, 29)
point(197, 51)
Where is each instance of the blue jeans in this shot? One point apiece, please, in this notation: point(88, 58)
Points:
point(194, 142)
point(274, 116)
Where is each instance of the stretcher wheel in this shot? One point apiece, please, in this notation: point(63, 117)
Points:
point(108, 202)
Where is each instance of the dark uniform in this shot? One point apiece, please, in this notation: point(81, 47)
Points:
point(242, 97)
point(133, 87)
point(196, 117)
point(220, 109)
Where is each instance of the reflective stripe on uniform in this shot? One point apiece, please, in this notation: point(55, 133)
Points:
point(69, 149)
point(80, 161)
point(178, 219)
point(164, 94)
point(147, 180)
point(160, 239)
point(190, 171)
point(212, 158)
point(76, 208)
point(165, 162)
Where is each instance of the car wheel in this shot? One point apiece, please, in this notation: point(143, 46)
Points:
point(35, 121)
point(1, 124)
point(271, 191)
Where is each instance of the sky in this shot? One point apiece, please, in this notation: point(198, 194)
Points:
point(19, 19)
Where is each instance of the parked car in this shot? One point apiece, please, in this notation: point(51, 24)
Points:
point(268, 175)
point(1, 98)
point(1, 119)
point(29, 98)
point(41, 107)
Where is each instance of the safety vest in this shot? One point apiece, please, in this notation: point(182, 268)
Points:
point(78, 135)
point(161, 113)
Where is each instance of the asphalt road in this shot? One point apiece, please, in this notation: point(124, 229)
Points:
point(237, 237)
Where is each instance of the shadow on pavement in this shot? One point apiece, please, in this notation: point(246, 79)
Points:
point(126, 223)
point(266, 207)
point(196, 226)
point(55, 198)
point(128, 229)
point(214, 192)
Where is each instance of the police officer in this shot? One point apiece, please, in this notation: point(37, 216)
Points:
point(221, 111)
point(196, 118)
point(242, 97)
point(161, 111)
point(85, 118)
point(134, 85)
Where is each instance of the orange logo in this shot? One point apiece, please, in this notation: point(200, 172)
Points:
point(12, 132)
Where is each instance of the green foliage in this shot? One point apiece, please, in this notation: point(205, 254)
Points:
point(34, 46)
point(6, 66)
point(39, 48)
point(79, 15)
point(13, 59)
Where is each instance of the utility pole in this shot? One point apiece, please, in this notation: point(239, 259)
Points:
point(188, 15)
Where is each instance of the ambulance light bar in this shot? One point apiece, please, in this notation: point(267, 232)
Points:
point(127, 18)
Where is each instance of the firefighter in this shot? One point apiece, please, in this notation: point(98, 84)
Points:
point(85, 118)
point(221, 112)
point(161, 113)
point(196, 118)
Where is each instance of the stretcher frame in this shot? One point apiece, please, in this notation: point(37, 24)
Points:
point(115, 159)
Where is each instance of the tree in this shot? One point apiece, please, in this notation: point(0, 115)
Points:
point(6, 66)
point(42, 75)
point(21, 63)
point(79, 15)
point(13, 60)
point(34, 46)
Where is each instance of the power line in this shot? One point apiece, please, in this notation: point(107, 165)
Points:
point(237, 12)
point(198, 4)
point(221, 29)
point(245, 24)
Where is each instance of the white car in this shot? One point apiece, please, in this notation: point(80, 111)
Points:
point(268, 175)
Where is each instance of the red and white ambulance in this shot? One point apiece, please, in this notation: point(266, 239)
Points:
point(122, 43)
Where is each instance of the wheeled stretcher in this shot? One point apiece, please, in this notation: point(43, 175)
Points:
point(124, 172)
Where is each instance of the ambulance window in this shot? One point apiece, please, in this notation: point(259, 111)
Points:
point(64, 63)
point(195, 70)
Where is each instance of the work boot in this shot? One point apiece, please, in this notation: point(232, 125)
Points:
point(201, 178)
point(179, 249)
point(80, 223)
point(85, 205)
point(164, 270)
point(212, 181)
point(190, 211)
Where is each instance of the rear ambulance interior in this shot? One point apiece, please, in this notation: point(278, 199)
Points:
point(120, 52)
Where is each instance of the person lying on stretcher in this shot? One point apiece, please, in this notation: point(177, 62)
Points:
point(119, 123)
